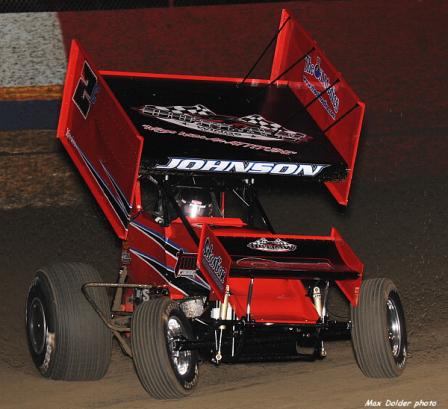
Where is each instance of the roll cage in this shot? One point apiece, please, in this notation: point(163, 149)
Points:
point(243, 192)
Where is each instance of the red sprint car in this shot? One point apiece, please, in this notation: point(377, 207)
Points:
point(174, 162)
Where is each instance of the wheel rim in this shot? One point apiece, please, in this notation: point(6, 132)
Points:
point(394, 328)
point(180, 359)
point(37, 325)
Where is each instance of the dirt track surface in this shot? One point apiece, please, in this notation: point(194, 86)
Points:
point(333, 383)
point(396, 223)
point(393, 229)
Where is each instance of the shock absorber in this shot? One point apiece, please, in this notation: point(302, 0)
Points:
point(320, 301)
point(222, 327)
point(317, 299)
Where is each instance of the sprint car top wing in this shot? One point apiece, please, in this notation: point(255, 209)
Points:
point(216, 126)
point(302, 123)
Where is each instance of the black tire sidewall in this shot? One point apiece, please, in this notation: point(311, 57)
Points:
point(151, 350)
point(40, 288)
point(189, 380)
point(77, 345)
point(370, 330)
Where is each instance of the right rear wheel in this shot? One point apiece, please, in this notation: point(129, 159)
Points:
point(378, 330)
point(164, 372)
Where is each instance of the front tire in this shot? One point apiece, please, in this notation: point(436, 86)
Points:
point(163, 372)
point(66, 338)
point(379, 335)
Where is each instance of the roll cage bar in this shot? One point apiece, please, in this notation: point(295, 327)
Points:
point(248, 197)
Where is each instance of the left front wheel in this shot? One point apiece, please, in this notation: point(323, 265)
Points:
point(66, 337)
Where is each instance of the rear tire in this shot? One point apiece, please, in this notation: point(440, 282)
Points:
point(66, 338)
point(378, 330)
point(164, 373)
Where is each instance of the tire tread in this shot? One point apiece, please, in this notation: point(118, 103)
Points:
point(369, 330)
point(151, 358)
point(83, 342)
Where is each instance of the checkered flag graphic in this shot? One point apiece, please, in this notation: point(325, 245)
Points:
point(192, 110)
point(258, 127)
point(258, 120)
point(273, 129)
point(178, 110)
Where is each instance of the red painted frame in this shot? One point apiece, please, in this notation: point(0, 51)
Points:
point(117, 159)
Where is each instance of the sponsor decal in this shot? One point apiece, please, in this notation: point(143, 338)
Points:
point(301, 264)
point(247, 167)
point(213, 263)
point(86, 90)
point(315, 71)
point(241, 144)
point(274, 246)
point(158, 129)
point(70, 138)
point(200, 118)
point(142, 295)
